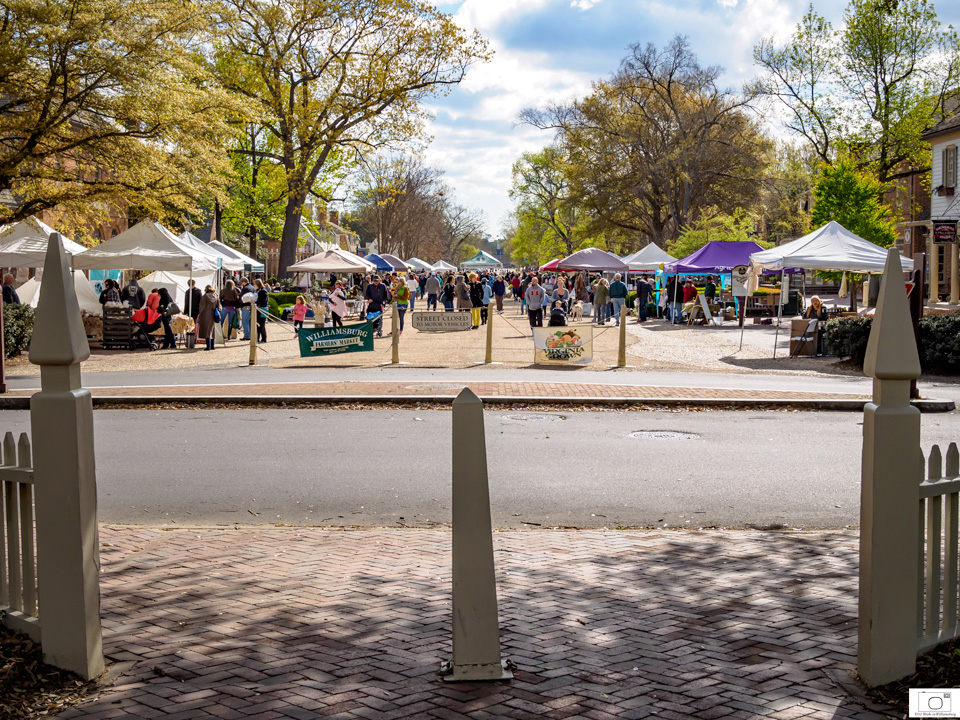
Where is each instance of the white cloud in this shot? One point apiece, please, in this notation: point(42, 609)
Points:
point(727, 3)
point(487, 14)
point(586, 4)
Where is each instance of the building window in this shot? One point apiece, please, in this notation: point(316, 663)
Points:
point(949, 169)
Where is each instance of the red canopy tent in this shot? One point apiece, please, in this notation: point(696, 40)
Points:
point(550, 266)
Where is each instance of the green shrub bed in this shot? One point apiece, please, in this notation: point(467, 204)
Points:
point(17, 328)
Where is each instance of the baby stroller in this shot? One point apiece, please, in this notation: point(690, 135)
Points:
point(377, 319)
point(142, 327)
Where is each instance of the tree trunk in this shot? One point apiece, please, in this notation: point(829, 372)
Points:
point(253, 243)
point(291, 234)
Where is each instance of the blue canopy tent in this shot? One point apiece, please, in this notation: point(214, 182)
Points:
point(382, 265)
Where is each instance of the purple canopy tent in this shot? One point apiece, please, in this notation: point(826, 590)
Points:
point(714, 257)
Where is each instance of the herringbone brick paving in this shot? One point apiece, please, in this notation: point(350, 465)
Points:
point(306, 623)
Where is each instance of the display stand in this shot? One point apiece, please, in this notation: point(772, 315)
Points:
point(117, 328)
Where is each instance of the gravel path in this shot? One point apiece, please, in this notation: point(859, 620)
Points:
point(654, 345)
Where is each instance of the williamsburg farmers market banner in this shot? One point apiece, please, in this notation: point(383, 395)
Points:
point(336, 340)
point(562, 345)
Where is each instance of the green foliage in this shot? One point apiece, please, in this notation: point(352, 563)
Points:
point(847, 337)
point(844, 194)
point(739, 226)
point(276, 301)
point(17, 328)
point(940, 343)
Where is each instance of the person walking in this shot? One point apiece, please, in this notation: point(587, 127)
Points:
point(413, 285)
point(229, 305)
point(191, 300)
point(535, 299)
point(618, 296)
point(600, 295)
point(432, 288)
point(499, 288)
point(403, 296)
point(476, 300)
point(167, 309)
point(515, 285)
point(207, 315)
point(246, 289)
point(673, 296)
point(376, 297)
point(448, 294)
point(133, 295)
point(463, 294)
point(10, 296)
point(562, 294)
point(338, 304)
point(299, 312)
point(487, 290)
point(262, 305)
point(644, 292)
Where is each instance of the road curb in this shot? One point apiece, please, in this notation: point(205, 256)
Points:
point(809, 404)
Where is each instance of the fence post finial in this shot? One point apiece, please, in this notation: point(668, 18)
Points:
point(61, 418)
point(892, 468)
point(58, 334)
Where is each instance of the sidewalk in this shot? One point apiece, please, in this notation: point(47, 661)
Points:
point(499, 392)
point(304, 623)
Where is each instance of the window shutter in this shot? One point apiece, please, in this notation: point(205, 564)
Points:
point(943, 167)
point(951, 178)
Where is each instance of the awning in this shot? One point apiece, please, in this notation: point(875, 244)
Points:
point(24, 244)
point(593, 260)
point(146, 246)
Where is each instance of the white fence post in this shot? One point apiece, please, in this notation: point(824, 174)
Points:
point(61, 417)
point(476, 630)
point(891, 472)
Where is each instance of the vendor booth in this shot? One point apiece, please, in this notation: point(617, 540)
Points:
point(394, 262)
point(227, 262)
point(24, 244)
point(87, 298)
point(829, 248)
point(255, 265)
point(550, 266)
point(593, 260)
point(418, 264)
point(648, 259)
point(381, 264)
point(333, 261)
point(482, 261)
point(442, 266)
point(146, 246)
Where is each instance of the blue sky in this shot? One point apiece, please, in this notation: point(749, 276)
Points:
point(551, 50)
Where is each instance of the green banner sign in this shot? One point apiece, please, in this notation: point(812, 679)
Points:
point(336, 340)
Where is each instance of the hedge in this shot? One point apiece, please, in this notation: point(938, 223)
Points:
point(939, 345)
point(17, 328)
point(276, 301)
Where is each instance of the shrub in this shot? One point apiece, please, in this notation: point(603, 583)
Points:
point(847, 337)
point(17, 328)
point(940, 343)
point(631, 299)
point(275, 301)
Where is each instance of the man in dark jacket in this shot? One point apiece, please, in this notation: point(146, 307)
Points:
point(191, 300)
point(245, 288)
point(644, 291)
point(10, 296)
point(133, 295)
point(376, 296)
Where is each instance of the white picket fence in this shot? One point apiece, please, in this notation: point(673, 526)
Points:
point(938, 550)
point(18, 540)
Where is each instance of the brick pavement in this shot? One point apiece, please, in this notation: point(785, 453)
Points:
point(306, 622)
point(450, 389)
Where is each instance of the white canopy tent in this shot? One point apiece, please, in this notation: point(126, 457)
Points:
point(593, 260)
point(418, 264)
point(24, 244)
point(176, 282)
point(227, 262)
point(649, 258)
point(146, 246)
point(332, 261)
point(87, 298)
point(255, 265)
point(830, 247)
point(443, 266)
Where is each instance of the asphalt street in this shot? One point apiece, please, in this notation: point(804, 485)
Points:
point(393, 467)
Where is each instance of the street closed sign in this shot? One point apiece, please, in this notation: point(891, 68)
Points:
point(441, 321)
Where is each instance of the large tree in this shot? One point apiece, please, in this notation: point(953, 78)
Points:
point(338, 75)
point(546, 208)
point(108, 102)
point(871, 88)
point(658, 144)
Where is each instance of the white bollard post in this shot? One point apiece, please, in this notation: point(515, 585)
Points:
point(488, 356)
point(622, 346)
point(891, 472)
point(61, 418)
point(476, 630)
point(395, 336)
point(254, 321)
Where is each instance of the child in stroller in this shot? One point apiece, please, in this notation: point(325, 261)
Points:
point(377, 319)
point(145, 321)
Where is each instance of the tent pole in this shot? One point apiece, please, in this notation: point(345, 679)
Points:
point(776, 336)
